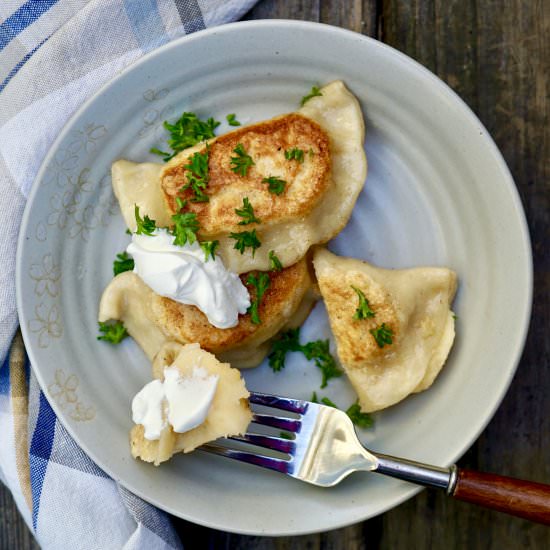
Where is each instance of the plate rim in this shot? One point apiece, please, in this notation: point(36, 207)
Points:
point(359, 38)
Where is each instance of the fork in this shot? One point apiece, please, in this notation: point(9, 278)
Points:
point(325, 450)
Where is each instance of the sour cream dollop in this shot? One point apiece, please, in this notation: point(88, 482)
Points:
point(182, 402)
point(182, 274)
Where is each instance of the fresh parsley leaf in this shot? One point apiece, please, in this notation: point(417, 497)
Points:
point(186, 225)
point(275, 263)
point(112, 332)
point(122, 263)
point(287, 341)
point(294, 154)
point(363, 310)
point(209, 249)
point(275, 185)
point(326, 401)
point(261, 283)
point(314, 93)
point(197, 175)
point(128, 232)
point(361, 419)
point(156, 151)
point(187, 131)
point(145, 226)
point(246, 239)
point(232, 120)
point(382, 334)
point(318, 350)
point(455, 316)
point(314, 398)
point(242, 162)
point(246, 213)
point(285, 435)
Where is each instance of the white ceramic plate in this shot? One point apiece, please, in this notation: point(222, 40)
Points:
point(437, 193)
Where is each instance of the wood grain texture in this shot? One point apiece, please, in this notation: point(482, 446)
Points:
point(13, 530)
point(506, 494)
point(495, 54)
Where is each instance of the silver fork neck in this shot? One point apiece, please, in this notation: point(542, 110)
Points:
point(417, 472)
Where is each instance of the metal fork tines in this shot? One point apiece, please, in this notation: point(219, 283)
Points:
point(285, 464)
point(325, 448)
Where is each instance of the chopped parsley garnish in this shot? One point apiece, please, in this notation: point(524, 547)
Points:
point(187, 131)
point(274, 262)
point(144, 226)
point(361, 419)
point(382, 334)
point(363, 310)
point(232, 120)
point(314, 93)
point(209, 249)
point(285, 435)
point(326, 401)
point(112, 332)
point(197, 176)
point(246, 239)
point(246, 213)
point(122, 263)
point(288, 341)
point(186, 225)
point(319, 352)
point(275, 185)
point(294, 154)
point(261, 283)
point(242, 162)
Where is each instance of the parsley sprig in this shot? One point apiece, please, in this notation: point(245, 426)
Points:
point(320, 353)
point(242, 162)
point(197, 175)
point(295, 154)
point(113, 333)
point(317, 351)
point(275, 185)
point(246, 213)
point(382, 334)
point(232, 120)
point(187, 131)
point(261, 283)
point(186, 225)
point(313, 93)
point(122, 263)
point(274, 262)
point(288, 341)
point(363, 310)
point(145, 225)
point(209, 249)
point(246, 239)
point(360, 419)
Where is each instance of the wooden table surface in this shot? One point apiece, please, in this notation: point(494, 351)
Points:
point(496, 55)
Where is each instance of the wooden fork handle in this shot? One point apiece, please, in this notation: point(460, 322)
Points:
point(513, 496)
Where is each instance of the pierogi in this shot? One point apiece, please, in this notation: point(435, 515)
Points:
point(229, 413)
point(415, 307)
point(318, 198)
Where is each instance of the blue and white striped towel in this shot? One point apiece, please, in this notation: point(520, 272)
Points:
point(53, 55)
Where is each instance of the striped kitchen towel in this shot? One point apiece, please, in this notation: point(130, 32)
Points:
point(53, 55)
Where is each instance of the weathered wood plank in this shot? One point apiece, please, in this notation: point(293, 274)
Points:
point(13, 531)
